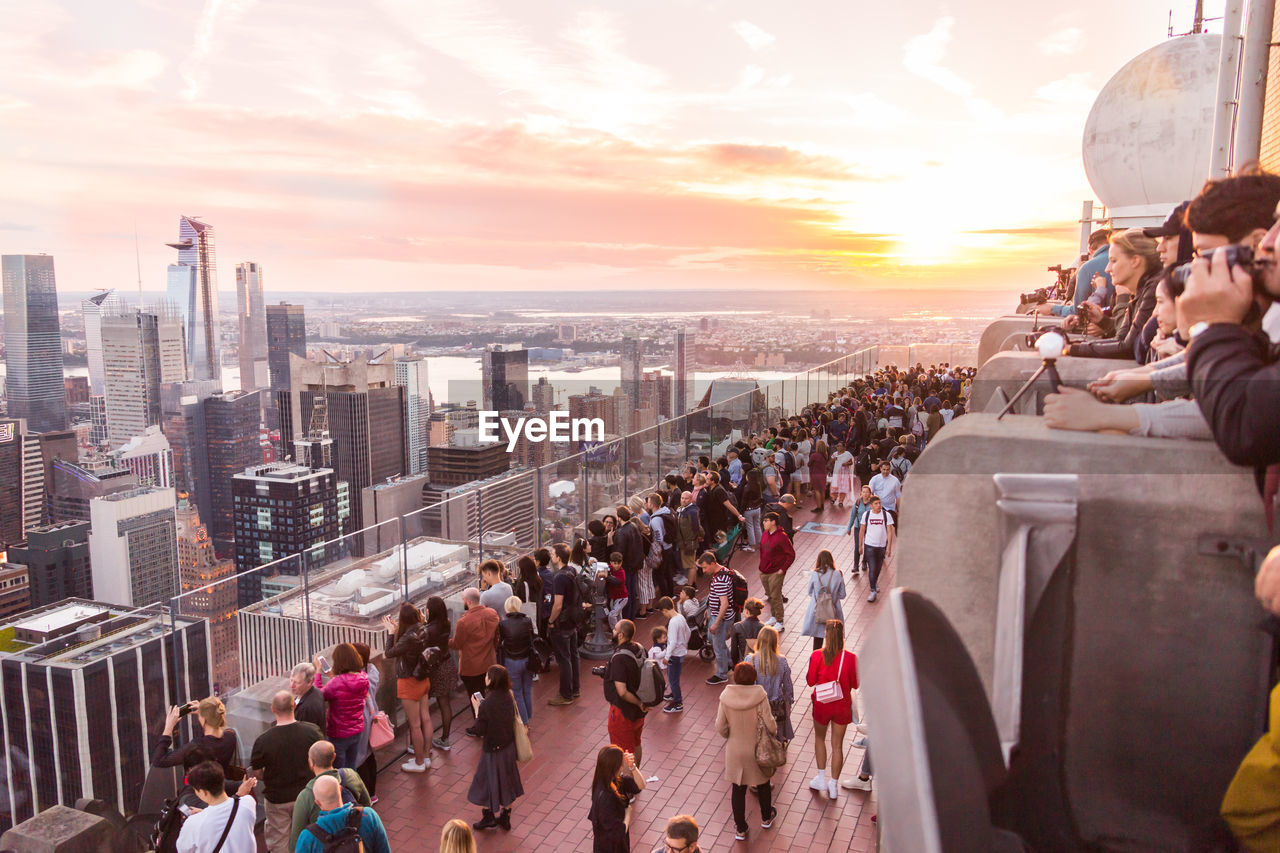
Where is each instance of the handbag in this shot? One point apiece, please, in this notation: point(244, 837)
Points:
point(524, 747)
point(430, 661)
point(771, 753)
point(380, 731)
point(824, 607)
point(831, 691)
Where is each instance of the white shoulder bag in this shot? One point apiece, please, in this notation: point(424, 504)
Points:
point(831, 691)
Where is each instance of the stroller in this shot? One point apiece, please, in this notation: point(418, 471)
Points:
point(732, 542)
point(699, 636)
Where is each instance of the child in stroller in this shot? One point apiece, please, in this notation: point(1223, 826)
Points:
point(695, 613)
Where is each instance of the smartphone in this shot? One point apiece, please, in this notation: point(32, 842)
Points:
point(325, 666)
point(184, 709)
point(476, 698)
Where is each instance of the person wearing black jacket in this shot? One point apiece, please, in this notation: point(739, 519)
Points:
point(497, 781)
point(1134, 266)
point(626, 541)
point(515, 644)
point(408, 642)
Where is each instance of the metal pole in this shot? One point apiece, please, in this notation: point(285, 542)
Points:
point(538, 498)
point(586, 497)
point(306, 603)
point(1253, 82)
point(1224, 114)
point(479, 525)
point(1086, 225)
point(658, 444)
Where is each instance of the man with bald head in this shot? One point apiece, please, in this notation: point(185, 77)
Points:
point(473, 637)
point(336, 818)
point(350, 788)
point(279, 759)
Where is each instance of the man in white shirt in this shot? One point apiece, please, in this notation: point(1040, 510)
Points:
point(888, 488)
point(677, 647)
point(232, 816)
point(877, 537)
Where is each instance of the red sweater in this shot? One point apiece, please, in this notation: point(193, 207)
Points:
point(776, 552)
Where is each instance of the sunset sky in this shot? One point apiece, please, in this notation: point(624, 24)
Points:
point(442, 144)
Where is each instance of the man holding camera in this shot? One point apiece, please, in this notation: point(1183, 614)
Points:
point(1234, 368)
point(621, 686)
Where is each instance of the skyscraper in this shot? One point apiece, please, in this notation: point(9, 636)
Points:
point(631, 375)
point(253, 326)
point(365, 414)
point(57, 561)
point(80, 706)
point(133, 547)
point(221, 440)
point(411, 373)
point(141, 351)
point(282, 509)
point(505, 374)
point(33, 342)
point(681, 403)
point(149, 456)
point(209, 593)
point(104, 304)
point(73, 488)
point(24, 479)
point(544, 396)
point(193, 288)
point(286, 335)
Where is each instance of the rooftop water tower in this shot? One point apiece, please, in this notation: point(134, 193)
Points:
point(1149, 135)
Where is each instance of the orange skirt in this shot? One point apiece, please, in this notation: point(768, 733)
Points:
point(412, 689)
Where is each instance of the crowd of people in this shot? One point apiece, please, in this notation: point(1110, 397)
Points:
point(664, 555)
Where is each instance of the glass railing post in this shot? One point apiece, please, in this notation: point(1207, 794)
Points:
point(626, 468)
point(586, 492)
point(404, 555)
point(538, 498)
point(658, 444)
point(479, 526)
point(303, 569)
point(173, 644)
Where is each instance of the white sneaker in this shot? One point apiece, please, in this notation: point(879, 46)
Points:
point(412, 766)
point(854, 783)
point(771, 621)
point(819, 782)
point(833, 789)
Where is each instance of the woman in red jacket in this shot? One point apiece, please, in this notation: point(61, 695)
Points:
point(344, 696)
point(833, 673)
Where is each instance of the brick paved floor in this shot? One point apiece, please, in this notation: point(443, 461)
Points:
point(682, 750)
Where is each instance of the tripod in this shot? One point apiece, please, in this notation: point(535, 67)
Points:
point(1048, 367)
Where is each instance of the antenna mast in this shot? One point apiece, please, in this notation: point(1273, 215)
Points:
point(137, 254)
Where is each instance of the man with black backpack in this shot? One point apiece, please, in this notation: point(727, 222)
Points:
point(666, 533)
point(622, 690)
point(566, 609)
point(342, 827)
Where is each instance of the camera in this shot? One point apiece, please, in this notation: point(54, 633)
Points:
point(1241, 256)
point(1038, 295)
point(601, 671)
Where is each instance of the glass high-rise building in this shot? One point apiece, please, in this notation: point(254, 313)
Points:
point(252, 326)
point(33, 343)
point(505, 374)
point(193, 288)
point(412, 374)
point(142, 351)
point(221, 433)
point(286, 335)
point(104, 304)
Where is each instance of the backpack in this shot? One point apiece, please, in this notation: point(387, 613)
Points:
point(788, 463)
point(345, 840)
point(540, 655)
point(670, 529)
point(739, 590)
point(164, 837)
point(571, 610)
point(652, 684)
point(898, 467)
point(824, 604)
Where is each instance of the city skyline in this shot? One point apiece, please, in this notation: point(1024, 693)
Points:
point(576, 148)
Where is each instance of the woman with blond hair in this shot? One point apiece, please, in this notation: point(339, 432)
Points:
point(456, 837)
point(773, 673)
point(215, 737)
point(1134, 266)
point(833, 671)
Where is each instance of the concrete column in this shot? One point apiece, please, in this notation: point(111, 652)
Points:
point(1253, 82)
point(1224, 112)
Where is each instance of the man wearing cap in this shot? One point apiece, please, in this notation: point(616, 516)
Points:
point(1096, 265)
point(1175, 241)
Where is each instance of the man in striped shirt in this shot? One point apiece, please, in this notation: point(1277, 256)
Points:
point(720, 612)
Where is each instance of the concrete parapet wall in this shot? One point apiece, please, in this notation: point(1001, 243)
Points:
point(995, 335)
point(1161, 631)
point(1009, 370)
point(59, 829)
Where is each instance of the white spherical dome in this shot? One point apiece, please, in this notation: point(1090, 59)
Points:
point(1149, 135)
